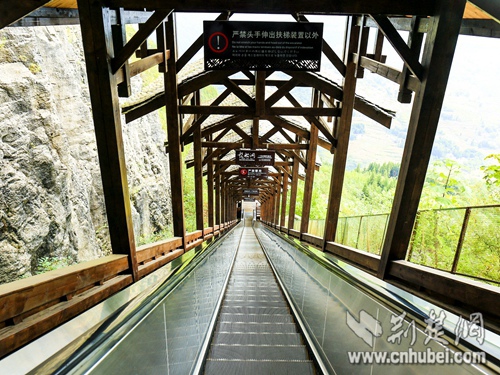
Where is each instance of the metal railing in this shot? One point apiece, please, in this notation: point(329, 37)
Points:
point(461, 240)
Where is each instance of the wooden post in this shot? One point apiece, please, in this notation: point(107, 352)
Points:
point(344, 131)
point(436, 61)
point(198, 171)
point(311, 165)
point(278, 202)
point(210, 188)
point(284, 197)
point(97, 44)
point(293, 193)
point(415, 43)
point(166, 41)
point(217, 199)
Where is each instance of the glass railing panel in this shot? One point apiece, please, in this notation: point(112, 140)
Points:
point(347, 321)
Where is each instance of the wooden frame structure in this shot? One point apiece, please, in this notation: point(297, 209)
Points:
point(253, 118)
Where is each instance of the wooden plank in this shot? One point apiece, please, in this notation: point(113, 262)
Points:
point(153, 250)
point(401, 48)
point(438, 55)
point(344, 131)
point(21, 296)
point(490, 7)
point(423, 7)
point(159, 261)
point(314, 240)
point(96, 31)
point(354, 256)
point(13, 337)
point(139, 37)
point(286, 146)
point(477, 295)
point(167, 41)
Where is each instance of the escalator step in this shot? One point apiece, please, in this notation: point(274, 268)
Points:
point(237, 367)
point(258, 339)
point(259, 352)
point(256, 327)
point(257, 318)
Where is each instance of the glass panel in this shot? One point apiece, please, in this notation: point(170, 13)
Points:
point(344, 321)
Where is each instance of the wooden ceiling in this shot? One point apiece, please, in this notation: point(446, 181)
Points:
point(471, 11)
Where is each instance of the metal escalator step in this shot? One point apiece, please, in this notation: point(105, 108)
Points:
point(258, 339)
point(238, 309)
point(255, 303)
point(259, 352)
point(257, 318)
point(239, 327)
point(237, 367)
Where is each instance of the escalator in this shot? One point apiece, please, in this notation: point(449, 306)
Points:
point(256, 332)
point(254, 302)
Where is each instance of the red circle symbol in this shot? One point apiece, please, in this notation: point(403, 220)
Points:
point(218, 42)
point(243, 172)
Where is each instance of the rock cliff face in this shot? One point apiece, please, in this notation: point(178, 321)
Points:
point(51, 200)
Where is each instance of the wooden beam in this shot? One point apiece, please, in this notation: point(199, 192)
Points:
point(344, 131)
point(388, 72)
point(10, 13)
point(48, 17)
point(281, 92)
point(215, 110)
point(167, 41)
point(119, 40)
point(202, 80)
point(402, 49)
point(239, 92)
point(199, 121)
point(137, 67)
point(96, 35)
point(303, 111)
point(415, 43)
point(139, 37)
point(223, 124)
point(423, 7)
point(437, 58)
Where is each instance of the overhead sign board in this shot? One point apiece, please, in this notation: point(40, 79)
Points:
point(253, 172)
point(255, 157)
point(250, 191)
point(253, 45)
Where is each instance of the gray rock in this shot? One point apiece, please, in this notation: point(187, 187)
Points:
point(51, 199)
